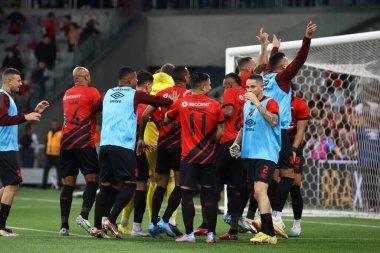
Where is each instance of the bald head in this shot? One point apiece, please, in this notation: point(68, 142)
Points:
point(81, 76)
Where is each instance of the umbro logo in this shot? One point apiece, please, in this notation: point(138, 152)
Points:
point(117, 95)
point(250, 122)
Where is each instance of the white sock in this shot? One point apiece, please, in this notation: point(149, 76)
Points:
point(124, 221)
point(297, 223)
point(136, 226)
point(276, 216)
point(172, 222)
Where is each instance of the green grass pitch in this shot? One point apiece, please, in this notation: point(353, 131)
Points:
point(35, 216)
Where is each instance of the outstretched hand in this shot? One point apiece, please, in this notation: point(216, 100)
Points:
point(263, 37)
point(41, 107)
point(174, 96)
point(310, 29)
point(276, 42)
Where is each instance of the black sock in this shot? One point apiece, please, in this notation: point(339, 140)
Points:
point(173, 203)
point(253, 205)
point(244, 193)
point(272, 191)
point(188, 210)
point(89, 196)
point(122, 199)
point(283, 190)
point(211, 208)
point(101, 205)
point(140, 204)
point(297, 201)
point(111, 200)
point(4, 212)
point(267, 224)
point(157, 199)
point(65, 200)
point(204, 219)
point(234, 197)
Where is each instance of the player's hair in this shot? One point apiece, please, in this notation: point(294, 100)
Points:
point(234, 77)
point(243, 61)
point(256, 78)
point(143, 77)
point(178, 73)
point(275, 59)
point(167, 68)
point(9, 72)
point(196, 78)
point(124, 72)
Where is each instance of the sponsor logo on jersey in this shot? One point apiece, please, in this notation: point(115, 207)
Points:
point(71, 96)
point(117, 95)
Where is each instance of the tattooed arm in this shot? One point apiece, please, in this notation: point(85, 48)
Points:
point(271, 118)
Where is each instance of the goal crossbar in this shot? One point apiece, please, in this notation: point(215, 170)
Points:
point(233, 52)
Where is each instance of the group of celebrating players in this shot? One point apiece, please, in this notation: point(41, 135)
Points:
point(156, 129)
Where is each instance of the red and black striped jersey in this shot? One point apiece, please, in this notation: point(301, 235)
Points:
point(140, 110)
point(79, 124)
point(169, 135)
point(235, 98)
point(300, 111)
point(199, 116)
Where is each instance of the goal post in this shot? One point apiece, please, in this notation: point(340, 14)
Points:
point(340, 81)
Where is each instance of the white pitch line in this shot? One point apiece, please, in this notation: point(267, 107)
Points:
point(337, 224)
point(339, 239)
point(45, 231)
point(43, 200)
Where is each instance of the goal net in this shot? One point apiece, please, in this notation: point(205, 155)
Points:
point(340, 81)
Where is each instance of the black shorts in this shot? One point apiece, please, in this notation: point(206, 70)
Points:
point(117, 164)
point(286, 152)
point(230, 170)
point(259, 170)
point(168, 159)
point(73, 160)
point(142, 168)
point(192, 175)
point(10, 173)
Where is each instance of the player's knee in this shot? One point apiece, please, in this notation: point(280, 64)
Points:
point(91, 178)
point(70, 181)
point(163, 180)
point(297, 180)
point(287, 173)
point(141, 185)
point(105, 184)
point(259, 191)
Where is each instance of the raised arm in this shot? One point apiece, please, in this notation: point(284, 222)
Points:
point(284, 77)
point(264, 42)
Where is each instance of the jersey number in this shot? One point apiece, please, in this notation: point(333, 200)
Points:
point(192, 126)
point(75, 120)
